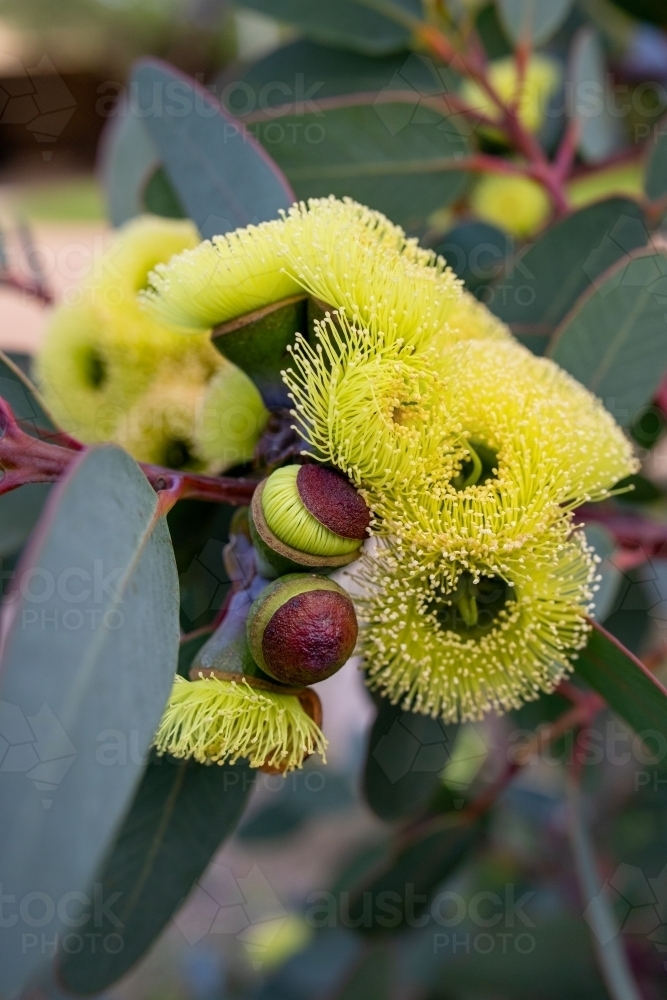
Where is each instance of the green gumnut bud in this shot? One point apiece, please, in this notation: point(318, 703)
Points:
point(302, 629)
point(308, 517)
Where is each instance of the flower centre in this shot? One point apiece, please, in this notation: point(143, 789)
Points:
point(473, 607)
point(95, 369)
point(478, 468)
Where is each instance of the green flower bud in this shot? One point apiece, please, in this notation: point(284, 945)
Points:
point(308, 516)
point(302, 629)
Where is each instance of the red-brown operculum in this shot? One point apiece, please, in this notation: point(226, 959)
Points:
point(332, 499)
point(302, 629)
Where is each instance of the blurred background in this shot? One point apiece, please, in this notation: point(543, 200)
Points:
point(259, 923)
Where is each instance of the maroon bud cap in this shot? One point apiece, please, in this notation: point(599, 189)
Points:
point(330, 497)
point(302, 629)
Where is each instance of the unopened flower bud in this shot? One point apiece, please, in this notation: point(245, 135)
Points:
point(308, 516)
point(302, 629)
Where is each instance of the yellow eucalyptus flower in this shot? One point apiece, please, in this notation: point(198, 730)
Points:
point(541, 80)
point(231, 419)
point(101, 351)
point(216, 721)
point(136, 248)
point(371, 408)
point(537, 443)
point(459, 640)
point(160, 427)
point(343, 253)
point(594, 185)
point(519, 205)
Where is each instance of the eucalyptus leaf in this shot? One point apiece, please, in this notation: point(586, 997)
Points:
point(181, 814)
point(624, 682)
point(398, 157)
point(128, 159)
point(655, 176)
point(476, 252)
point(89, 647)
point(599, 132)
point(26, 403)
point(373, 28)
point(613, 339)
point(603, 544)
point(160, 198)
point(304, 72)
point(19, 513)
point(533, 20)
point(258, 344)
point(219, 174)
point(399, 894)
point(542, 283)
point(406, 756)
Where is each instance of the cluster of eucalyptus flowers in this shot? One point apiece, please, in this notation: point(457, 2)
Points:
point(441, 465)
point(109, 372)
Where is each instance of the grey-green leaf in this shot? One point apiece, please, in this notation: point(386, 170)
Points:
point(600, 133)
point(401, 892)
point(625, 684)
point(397, 157)
point(89, 647)
point(220, 175)
point(128, 159)
point(25, 401)
point(655, 177)
point(542, 284)
point(374, 28)
point(181, 814)
point(19, 513)
point(533, 20)
point(304, 72)
point(406, 756)
point(614, 340)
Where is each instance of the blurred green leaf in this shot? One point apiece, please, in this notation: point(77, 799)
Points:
point(258, 342)
point(19, 513)
point(304, 71)
point(93, 653)
point(624, 682)
point(643, 490)
point(599, 131)
point(307, 794)
point(515, 972)
point(533, 20)
point(128, 159)
point(604, 931)
point(395, 157)
point(398, 896)
point(655, 176)
point(160, 198)
point(542, 284)
point(181, 814)
point(375, 28)
point(613, 339)
point(476, 251)
point(25, 401)
point(371, 977)
point(491, 33)
point(406, 755)
point(220, 175)
point(604, 544)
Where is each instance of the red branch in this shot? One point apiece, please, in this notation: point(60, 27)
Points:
point(26, 459)
point(630, 530)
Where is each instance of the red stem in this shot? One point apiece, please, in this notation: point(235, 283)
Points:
point(30, 288)
point(27, 459)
